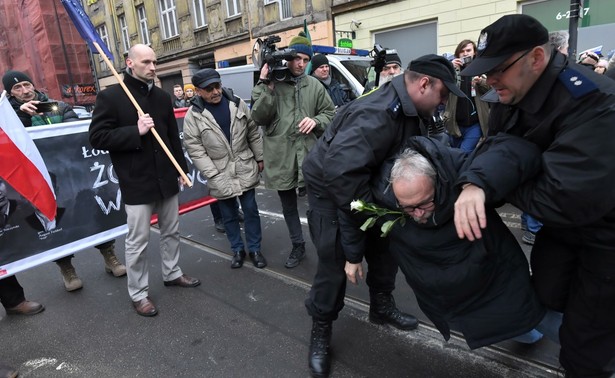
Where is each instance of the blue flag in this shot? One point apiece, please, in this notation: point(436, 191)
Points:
point(84, 26)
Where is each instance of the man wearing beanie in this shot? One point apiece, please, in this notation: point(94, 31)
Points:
point(322, 71)
point(392, 68)
point(340, 168)
point(569, 112)
point(24, 99)
point(148, 180)
point(294, 113)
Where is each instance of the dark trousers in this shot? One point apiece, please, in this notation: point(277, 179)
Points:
point(288, 198)
point(11, 292)
point(326, 297)
point(578, 280)
point(252, 224)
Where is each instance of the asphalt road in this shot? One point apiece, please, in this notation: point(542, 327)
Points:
point(238, 323)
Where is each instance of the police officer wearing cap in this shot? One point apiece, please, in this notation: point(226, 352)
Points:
point(569, 112)
point(338, 170)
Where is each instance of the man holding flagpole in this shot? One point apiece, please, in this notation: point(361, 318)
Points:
point(147, 177)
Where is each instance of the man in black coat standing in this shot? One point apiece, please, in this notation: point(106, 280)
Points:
point(147, 177)
point(569, 112)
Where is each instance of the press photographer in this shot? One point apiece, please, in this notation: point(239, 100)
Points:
point(387, 65)
point(266, 53)
point(293, 113)
point(466, 118)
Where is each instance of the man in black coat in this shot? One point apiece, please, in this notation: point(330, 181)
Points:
point(569, 113)
point(338, 170)
point(147, 178)
point(481, 288)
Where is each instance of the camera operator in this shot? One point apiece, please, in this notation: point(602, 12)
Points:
point(466, 121)
point(391, 68)
point(293, 112)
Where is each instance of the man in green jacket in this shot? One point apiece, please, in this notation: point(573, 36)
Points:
point(294, 113)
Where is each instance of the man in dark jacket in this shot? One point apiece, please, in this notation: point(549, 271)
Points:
point(338, 170)
point(569, 112)
point(322, 71)
point(24, 98)
point(481, 288)
point(147, 177)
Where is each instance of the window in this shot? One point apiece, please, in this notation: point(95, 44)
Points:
point(104, 36)
point(124, 31)
point(285, 8)
point(168, 18)
point(200, 18)
point(233, 7)
point(143, 25)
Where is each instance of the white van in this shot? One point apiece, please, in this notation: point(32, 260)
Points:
point(351, 68)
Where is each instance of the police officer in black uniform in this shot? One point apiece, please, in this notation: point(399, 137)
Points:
point(338, 170)
point(569, 112)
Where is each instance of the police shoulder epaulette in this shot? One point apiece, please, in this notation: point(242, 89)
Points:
point(576, 82)
point(394, 107)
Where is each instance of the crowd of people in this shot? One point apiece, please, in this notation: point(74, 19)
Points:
point(524, 124)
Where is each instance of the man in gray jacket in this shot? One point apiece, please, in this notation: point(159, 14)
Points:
point(227, 148)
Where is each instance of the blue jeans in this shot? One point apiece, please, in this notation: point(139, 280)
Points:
point(533, 225)
point(469, 138)
point(252, 221)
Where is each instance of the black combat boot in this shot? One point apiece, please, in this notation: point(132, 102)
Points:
point(319, 358)
point(382, 310)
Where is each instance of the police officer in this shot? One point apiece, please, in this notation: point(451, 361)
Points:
point(338, 170)
point(569, 112)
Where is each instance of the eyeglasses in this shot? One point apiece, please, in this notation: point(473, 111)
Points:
point(421, 206)
point(210, 88)
point(501, 71)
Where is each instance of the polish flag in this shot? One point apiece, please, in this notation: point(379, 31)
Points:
point(22, 166)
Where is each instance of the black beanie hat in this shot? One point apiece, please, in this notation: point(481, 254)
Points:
point(319, 60)
point(11, 78)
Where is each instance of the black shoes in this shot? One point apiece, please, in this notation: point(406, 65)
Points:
point(296, 255)
point(258, 259)
point(319, 357)
point(238, 258)
point(382, 310)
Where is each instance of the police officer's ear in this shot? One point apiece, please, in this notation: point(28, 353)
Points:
point(539, 57)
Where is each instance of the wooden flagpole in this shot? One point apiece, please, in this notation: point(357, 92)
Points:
point(140, 112)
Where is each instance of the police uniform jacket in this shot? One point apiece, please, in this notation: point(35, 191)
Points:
point(570, 114)
point(481, 288)
point(145, 172)
point(361, 137)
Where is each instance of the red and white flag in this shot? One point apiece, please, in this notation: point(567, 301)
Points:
point(22, 166)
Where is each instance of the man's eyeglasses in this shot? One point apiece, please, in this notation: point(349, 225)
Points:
point(210, 88)
point(501, 71)
point(427, 205)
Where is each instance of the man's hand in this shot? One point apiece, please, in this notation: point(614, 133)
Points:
point(470, 212)
point(182, 181)
point(352, 270)
point(306, 125)
point(145, 123)
point(30, 108)
point(261, 166)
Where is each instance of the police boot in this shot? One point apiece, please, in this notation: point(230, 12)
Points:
point(71, 281)
point(319, 358)
point(112, 264)
point(382, 310)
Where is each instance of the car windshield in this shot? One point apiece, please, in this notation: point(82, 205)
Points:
point(358, 68)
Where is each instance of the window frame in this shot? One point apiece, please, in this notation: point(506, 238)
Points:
point(142, 16)
point(200, 14)
point(103, 33)
point(121, 19)
point(168, 19)
point(235, 5)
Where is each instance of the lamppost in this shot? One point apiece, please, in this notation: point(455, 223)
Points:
point(576, 12)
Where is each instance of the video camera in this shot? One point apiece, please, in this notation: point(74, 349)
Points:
point(265, 51)
point(379, 54)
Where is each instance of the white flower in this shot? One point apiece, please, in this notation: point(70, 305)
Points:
point(357, 205)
